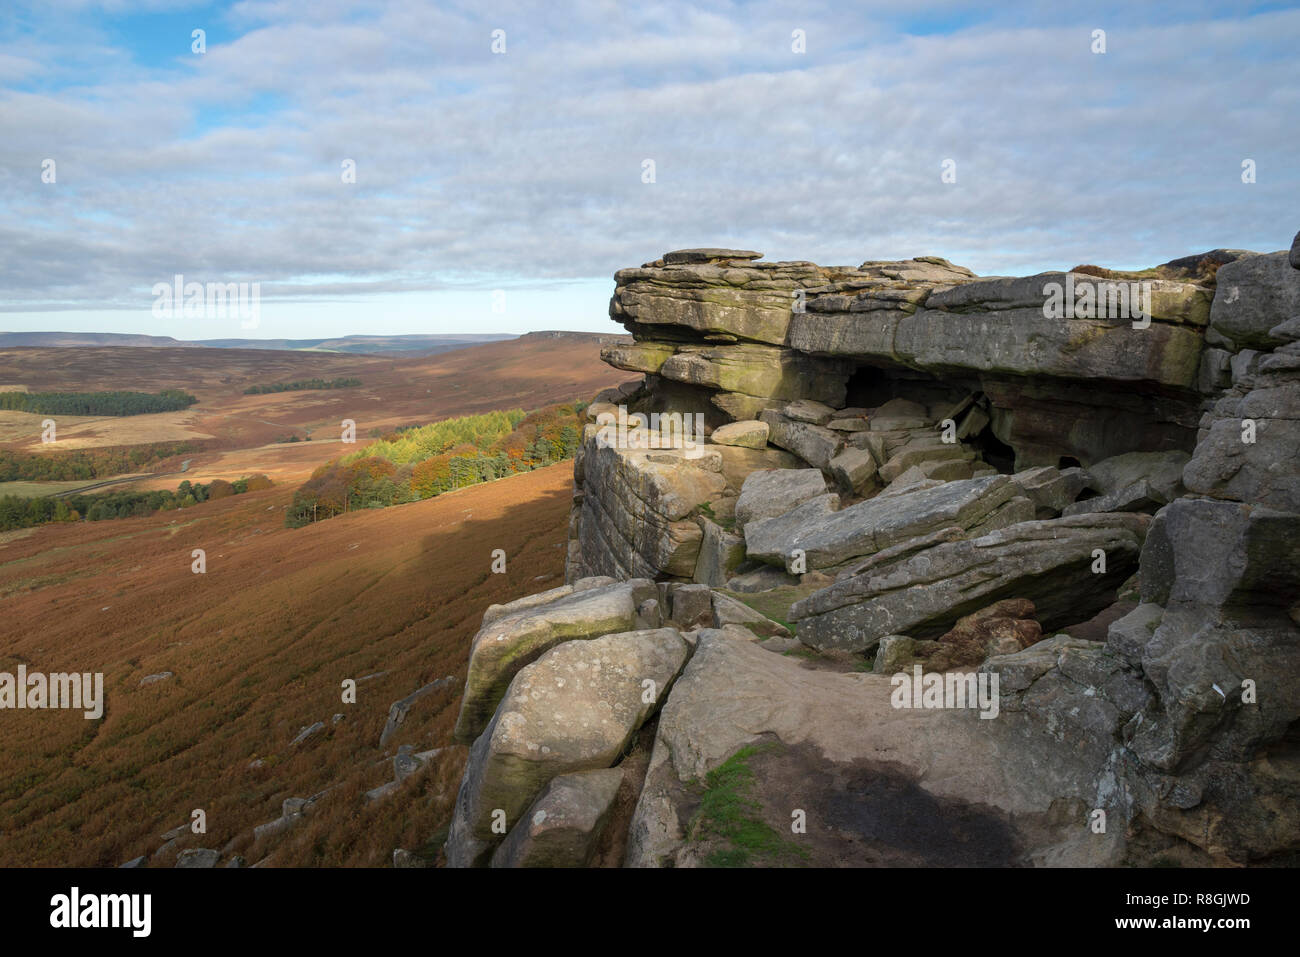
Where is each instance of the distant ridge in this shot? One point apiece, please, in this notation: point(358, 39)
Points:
point(410, 345)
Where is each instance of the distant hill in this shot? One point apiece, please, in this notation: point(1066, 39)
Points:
point(409, 345)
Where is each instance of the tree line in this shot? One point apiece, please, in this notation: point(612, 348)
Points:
point(18, 512)
point(301, 384)
point(410, 464)
point(76, 464)
point(96, 403)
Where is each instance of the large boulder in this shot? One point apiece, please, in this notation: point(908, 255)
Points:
point(1253, 295)
point(768, 493)
point(1163, 471)
point(1216, 639)
point(565, 823)
point(815, 444)
point(1247, 452)
point(749, 434)
point(513, 637)
point(1052, 563)
point(574, 709)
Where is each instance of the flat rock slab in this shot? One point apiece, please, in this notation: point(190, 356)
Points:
point(830, 539)
point(922, 594)
point(707, 254)
point(877, 784)
point(750, 434)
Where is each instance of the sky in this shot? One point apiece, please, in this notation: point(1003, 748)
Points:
point(410, 167)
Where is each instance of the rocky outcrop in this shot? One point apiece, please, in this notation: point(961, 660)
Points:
point(1064, 507)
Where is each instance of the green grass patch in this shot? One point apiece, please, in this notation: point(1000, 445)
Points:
point(731, 817)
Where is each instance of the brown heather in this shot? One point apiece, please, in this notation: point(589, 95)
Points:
point(259, 646)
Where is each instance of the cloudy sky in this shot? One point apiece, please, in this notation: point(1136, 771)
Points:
point(524, 170)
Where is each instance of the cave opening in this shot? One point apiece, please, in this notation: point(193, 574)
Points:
point(993, 450)
point(868, 388)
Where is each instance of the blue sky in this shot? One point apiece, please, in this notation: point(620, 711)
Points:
point(521, 171)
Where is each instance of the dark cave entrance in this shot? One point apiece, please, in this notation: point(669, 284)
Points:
point(993, 450)
point(868, 388)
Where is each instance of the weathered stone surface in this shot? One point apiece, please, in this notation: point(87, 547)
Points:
point(398, 711)
point(1170, 301)
point(899, 414)
point(1162, 471)
point(633, 516)
point(1253, 295)
point(923, 594)
point(721, 553)
point(758, 370)
point(1051, 489)
point(921, 455)
point(729, 611)
point(768, 493)
point(737, 406)
point(747, 434)
point(1216, 371)
point(1153, 718)
point(1138, 497)
point(1022, 342)
point(198, 857)
point(831, 538)
point(510, 641)
point(1294, 258)
point(707, 254)
point(1004, 627)
point(564, 824)
point(1228, 464)
point(697, 298)
point(814, 444)
point(1129, 636)
point(986, 784)
point(739, 463)
point(646, 357)
point(692, 606)
point(894, 654)
point(1221, 658)
point(806, 410)
point(1011, 512)
point(573, 709)
point(913, 480)
point(854, 470)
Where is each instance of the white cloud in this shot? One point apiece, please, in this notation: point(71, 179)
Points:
point(480, 168)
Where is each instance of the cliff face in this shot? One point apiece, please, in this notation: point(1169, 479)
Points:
point(1084, 485)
